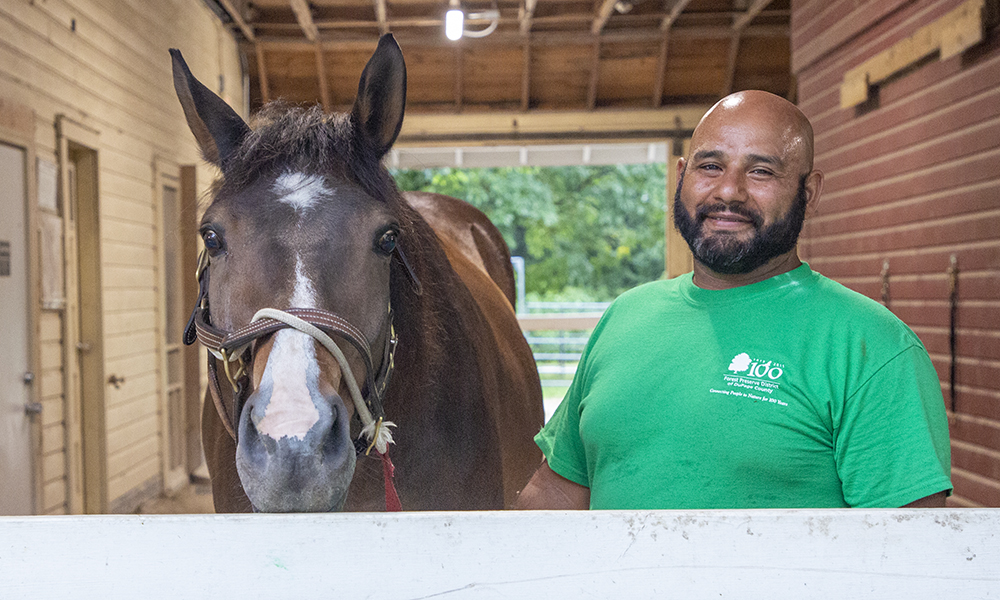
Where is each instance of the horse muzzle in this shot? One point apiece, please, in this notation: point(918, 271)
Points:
point(291, 473)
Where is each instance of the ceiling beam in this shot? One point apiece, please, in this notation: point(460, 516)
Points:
point(675, 11)
point(603, 14)
point(560, 19)
point(265, 92)
point(381, 15)
point(525, 15)
point(555, 38)
point(526, 76)
point(475, 129)
point(734, 51)
point(238, 19)
point(304, 16)
point(459, 76)
point(740, 23)
point(661, 71)
point(661, 63)
point(595, 72)
point(324, 88)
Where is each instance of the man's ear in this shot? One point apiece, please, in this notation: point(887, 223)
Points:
point(216, 126)
point(814, 189)
point(378, 109)
point(681, 163)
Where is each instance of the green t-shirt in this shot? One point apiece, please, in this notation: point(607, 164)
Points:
point(791, 392)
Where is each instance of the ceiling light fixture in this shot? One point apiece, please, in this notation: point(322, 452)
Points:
point(454, 21)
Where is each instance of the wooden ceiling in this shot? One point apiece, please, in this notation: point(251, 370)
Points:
point(597, 56)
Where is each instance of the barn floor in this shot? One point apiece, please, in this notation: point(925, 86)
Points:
point(194, 498)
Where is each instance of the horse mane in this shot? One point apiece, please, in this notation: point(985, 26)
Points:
point(284, 137)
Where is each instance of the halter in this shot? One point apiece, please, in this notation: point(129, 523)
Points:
point(233, 348)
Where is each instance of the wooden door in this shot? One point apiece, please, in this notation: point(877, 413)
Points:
point(16, 470)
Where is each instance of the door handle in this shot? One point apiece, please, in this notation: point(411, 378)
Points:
point(32, 408)
point(116, 381)
point(83, 346)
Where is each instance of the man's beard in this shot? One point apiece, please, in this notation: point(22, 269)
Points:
point(723, 252)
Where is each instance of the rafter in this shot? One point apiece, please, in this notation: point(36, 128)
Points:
point(740, 24)
point(675, 11)
point(603, 14)
point(661, 64)
point(734, 51)
point(304, 16)
point(459, 91)
point(324, 88)
point(595, 71)
point(347, 41)
point(525, 15)
point(526, 77)
point(661, 71)
point(238, 19)
point(265, 92)
point(381, 16)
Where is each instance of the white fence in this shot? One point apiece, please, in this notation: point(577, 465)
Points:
point(772, 554)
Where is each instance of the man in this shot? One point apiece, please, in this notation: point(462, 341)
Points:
point(752, 382)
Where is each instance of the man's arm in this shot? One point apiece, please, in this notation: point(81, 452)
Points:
point(548, 490)
point(932, 501)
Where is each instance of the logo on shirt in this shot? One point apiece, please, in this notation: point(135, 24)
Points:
point(753, 378)
point(755, 368)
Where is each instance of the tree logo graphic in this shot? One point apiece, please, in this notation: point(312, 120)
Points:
point(741, 362)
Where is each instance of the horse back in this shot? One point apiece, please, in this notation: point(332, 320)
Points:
point(511, 389)
point(464, 229)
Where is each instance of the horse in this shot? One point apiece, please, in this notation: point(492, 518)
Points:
point(345, 319)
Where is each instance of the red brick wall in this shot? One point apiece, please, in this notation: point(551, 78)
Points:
point(913, 178)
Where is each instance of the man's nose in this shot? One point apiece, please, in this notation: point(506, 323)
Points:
point(731, 186)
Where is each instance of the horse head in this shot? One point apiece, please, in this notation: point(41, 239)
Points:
point(301, 223)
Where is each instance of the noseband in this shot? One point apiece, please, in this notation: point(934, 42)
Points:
point(234, 349)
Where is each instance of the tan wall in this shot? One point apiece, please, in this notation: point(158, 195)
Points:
point(104, 65)
point(912, 178)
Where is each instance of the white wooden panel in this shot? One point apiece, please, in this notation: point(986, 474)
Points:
point(772, 554)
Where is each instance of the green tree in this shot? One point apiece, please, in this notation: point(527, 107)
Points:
point(585, 232)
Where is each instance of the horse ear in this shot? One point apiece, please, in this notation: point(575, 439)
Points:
point(216, 126)
point(378, 109)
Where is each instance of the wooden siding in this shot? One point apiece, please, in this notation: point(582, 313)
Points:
point(104, 64)
point(912, 178)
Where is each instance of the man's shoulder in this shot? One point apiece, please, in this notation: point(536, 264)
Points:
point(834, 301)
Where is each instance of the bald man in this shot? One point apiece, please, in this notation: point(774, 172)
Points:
point(752, 382)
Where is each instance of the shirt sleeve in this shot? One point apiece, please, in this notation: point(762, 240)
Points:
point(892, 446)
point(560, 439)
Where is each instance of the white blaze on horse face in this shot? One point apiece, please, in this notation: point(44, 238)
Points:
point(300, 191)
point(290, 365)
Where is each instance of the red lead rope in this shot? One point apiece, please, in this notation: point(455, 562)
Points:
point(392, 503)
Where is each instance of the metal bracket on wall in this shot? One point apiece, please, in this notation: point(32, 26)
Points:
point(885, 283)
point(952, 325)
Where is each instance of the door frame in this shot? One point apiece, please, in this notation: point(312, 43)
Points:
point(86, 463)
point(17, 128)
point(166, 172)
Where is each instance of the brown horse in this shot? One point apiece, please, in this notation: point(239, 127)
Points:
point(382, 317)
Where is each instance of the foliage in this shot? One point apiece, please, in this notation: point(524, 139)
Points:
point(586, 233)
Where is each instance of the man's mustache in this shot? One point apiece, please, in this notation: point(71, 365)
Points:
point(737, 208)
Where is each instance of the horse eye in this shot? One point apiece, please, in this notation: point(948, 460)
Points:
point(213, 241)
point(387, 242)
